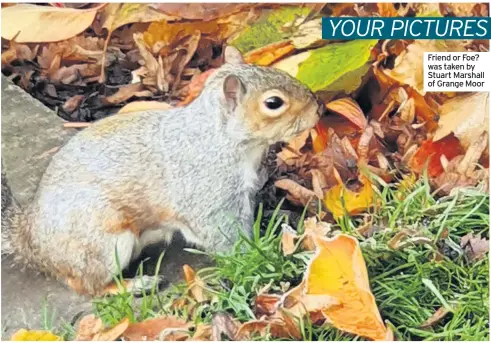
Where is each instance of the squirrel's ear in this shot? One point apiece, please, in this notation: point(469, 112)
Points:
point(234, 90)
point(232, 55)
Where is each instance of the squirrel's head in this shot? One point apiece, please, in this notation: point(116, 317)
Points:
point(268, 103)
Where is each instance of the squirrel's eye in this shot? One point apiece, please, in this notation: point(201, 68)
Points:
point(274, 102)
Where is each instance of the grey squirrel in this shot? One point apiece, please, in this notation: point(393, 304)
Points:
point(133, 179)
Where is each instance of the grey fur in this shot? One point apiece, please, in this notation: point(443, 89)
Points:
point(133, 179)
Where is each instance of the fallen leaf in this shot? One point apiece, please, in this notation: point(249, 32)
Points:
point(288, 236)
point(126, 92)
point(464, 171)
point(138, 106)
point(335, 67)
point(18, 52)
point(279, 328)
point(266, 304)
point(269, 54)
point(430, 152)
point(340, 200)
point(196, 286)
point(349, 109)
point(268, 29)
point(466, 116)
point(150, 329)
point(203, 332)
point(88, 327)
point(115, 15)
point(475, 247)
point(156, 75)
point(223, 323)
point(338, 278)
point(113, 333)
point(34, 335)
point(308, 33)
point(296, 193)
point(39, 24)
point(312, 229)
point(435, 317)
point(408, 66)
point(204, 11)
point(293, 150)
point(195, 86)
point(72, 103)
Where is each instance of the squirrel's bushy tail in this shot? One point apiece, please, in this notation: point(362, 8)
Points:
point(15, 231)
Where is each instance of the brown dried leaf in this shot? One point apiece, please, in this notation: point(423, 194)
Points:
point(296, 193)
point(266, 304)
point(349, 109)
point(435, 317)
point(204, 11)
point(223, 323)
point(312, 229)
point(150, 329)
point(288, 237)
point(113, 333)
point(466, 116)
point(72, 103)
point(156, 75)
point(126, 92)
point(279, 328)
point(202, 332)
point(291, 153)
point(196, 286)
point(115, 15)
point(408, 68)
point(88, 327)
point(475, 247)
point(137, 106)
point(39, 24)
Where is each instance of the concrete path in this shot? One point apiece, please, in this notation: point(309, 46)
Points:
point(31, 134)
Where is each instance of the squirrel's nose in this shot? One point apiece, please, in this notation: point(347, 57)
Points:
point(322, 107)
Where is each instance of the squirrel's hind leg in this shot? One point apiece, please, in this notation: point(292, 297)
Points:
point(92, 274)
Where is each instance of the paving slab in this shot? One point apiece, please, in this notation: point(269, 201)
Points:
point(31, 134)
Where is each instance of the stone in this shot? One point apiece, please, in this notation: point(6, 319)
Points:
point(31, 134)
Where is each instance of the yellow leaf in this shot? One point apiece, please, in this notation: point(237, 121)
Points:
point(339, 198)
point(34, 335)
point(336, 283)
point(41, 24)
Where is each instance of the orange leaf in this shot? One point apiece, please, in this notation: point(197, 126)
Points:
point(113, 333)
point(195, 86)
point(269, 54)
point(338, 272)
point(448, 146)
point(349, 109)
point(149, 330)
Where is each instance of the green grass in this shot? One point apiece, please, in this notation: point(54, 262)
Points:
point(408, 283)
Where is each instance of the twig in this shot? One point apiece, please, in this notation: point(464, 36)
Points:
point(76, 125)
